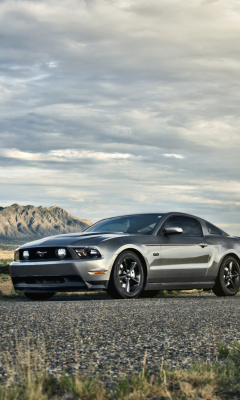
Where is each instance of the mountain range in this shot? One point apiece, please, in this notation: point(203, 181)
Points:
point(26, 223)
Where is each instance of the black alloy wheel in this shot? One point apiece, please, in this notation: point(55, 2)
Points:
point(127, 277)
point(227, 282)
point(39, 296)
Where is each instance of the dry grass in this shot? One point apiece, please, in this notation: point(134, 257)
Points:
point(28, 378)
point(6, 254)
point(7, 251)
point(6, 286)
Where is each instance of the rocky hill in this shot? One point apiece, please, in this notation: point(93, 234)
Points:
point(25, 223)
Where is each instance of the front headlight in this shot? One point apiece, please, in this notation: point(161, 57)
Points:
point(16, 256)
point(87, 252)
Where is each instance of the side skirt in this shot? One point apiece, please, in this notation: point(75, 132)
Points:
point(180, 286)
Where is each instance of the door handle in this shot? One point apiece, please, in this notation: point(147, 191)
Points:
point(203, 245)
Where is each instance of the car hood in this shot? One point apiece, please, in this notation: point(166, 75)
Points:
point(75, 239)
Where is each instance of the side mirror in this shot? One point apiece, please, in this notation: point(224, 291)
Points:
point(172, 231)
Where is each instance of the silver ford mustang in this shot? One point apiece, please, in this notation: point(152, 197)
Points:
point(131, 256)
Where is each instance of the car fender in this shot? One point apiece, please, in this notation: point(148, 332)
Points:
point(227, 253)
point(133, 247)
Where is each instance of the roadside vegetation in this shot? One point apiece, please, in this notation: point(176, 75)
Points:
point(6, 287)
point(5, 266)
point(29, 379)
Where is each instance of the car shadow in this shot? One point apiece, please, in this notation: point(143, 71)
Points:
point(104, 296)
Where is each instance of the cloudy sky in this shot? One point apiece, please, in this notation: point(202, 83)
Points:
point(118, 106)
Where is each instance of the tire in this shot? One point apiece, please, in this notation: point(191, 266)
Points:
point(227, 282)
point(39, 296)
point(148, 293)
point(127, 277)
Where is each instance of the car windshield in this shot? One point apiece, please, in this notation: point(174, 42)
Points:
point(139, 224)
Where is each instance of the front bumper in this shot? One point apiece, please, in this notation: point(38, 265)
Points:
point(61, 276)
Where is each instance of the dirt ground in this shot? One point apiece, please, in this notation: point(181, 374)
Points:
point(6, 254)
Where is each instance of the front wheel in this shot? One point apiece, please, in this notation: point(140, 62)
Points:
point(227, 282)
point(39, 296)
point(127, 277)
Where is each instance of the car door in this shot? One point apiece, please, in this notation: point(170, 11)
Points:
point(184, 256)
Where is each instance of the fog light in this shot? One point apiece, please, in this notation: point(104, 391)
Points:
point(61, 253)
point(26, 254)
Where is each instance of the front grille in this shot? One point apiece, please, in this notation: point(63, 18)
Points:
point(42, 253)
point(47, 280)
point(44, 280)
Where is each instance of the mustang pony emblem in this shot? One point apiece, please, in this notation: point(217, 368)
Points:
point(41, 253)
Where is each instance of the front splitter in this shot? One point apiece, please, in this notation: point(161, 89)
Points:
point(81, 287)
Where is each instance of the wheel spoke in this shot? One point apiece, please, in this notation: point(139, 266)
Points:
point(135, 279)
point(122, 277)
point(122, 269)
point(230, 266)
point(235, 275)
point(132, 266)
point(128, 285)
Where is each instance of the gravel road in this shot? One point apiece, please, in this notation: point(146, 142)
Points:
point(114, 335)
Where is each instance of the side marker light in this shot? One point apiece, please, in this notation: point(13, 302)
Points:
point(98, 272)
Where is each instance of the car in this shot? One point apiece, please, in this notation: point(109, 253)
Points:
point(131, 256)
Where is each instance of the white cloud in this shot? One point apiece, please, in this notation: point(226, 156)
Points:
point(139, 97)
point(174, 155)
point(65, 155)
point(101, 156)
point(52, 64)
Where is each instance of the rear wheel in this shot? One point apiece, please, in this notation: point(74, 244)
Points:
point(127, 277)
point(148, 293)
point(227, 282)
point(39, 296)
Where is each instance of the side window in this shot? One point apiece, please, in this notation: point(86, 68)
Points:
point(213, 230)
point(190, 226)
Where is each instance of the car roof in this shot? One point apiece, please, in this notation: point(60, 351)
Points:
point(165, 214)
point(153, 213)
